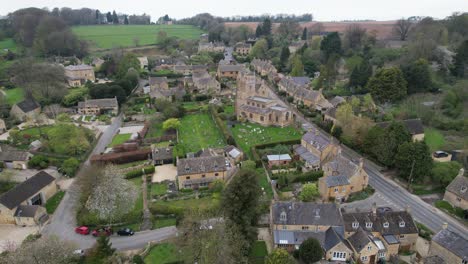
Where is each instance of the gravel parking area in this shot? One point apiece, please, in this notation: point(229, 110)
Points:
point(130, 129)
point(165, 172)
point(14, 235)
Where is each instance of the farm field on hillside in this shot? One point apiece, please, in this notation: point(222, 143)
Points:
point(109, 36)
point(199, 131)
point(9, 44)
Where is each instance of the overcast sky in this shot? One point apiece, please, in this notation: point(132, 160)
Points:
point(322, 10)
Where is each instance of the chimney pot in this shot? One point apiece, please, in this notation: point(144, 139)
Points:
point(374, 208)
point(445, 225)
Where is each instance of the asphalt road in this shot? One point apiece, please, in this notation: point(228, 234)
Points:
point(63, 222)
point(421, 211)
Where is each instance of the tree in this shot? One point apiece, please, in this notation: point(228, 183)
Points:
point(402, 28)
point(115, 18)
point(460, 63)
point(240, 201)
point(309, 192)
point(418, 76)
point(70, 166)
point(279, 256)
point(44, 250)
point(354, 36)
point(259, 50)
point(288, 30)
point(297, 66)
point(310, 251)
point(101, 250)
point(285, 53)
point(413, 160)
point(444, 172)
point(360, 76)
point(109, 17)
point(388, 85)
point(129, 61)
point(38, 162)
point(112, 196)
point(258, 31)
point(304, 34)
point(126, 20)
point(331, 44)
point(171, 123)
point(266, 27)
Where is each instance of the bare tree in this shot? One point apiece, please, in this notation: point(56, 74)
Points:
point(317, 29)
point(46, 250)
point(354, 36)
point(402, 28)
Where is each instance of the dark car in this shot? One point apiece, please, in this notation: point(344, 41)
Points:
point(106, 231)
point(125, 232)
point(440, 154)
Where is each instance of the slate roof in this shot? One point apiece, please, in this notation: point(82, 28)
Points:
point(327, 239)
point(317, 139)
point(337, 100)
point(78, 67)
point(434, 260)
point(459, 187)
point(359, 240)
point(101, 103)
point(301, 80)
point(26, 189)
point(306, 155)
point(230, 67)
point(279, 157)
point(342, 166)
point(453, 242)
point(153, 81)
point(393, 218)
point(26, 210)
point(162, 153)
point(13, 155)
point(257, 110)
point(28, 105)
point(414, 126)
point(339, 180)
point(200, 165)
point(299, 213)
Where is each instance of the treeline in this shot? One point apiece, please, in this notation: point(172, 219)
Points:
point(88, 16)
point(274, 18)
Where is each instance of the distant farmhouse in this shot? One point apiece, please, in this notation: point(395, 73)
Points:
point(243, 49)
point(25, 110)
point(98, 106)
point(78, 75)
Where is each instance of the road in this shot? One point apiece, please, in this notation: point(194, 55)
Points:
point(63, 222)
point(421, 211)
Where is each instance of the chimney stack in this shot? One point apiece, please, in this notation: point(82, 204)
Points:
point(374, 208)
point(361, 163)
point(444, 225)
point(408, 208)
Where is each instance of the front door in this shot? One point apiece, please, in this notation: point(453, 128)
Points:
point(372, 259)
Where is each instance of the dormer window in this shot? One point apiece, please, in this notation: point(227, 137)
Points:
point(283, 216)
point(368, 224)
point(463, 189)
point(369, 248)
point(402, 223)
point(355, 224)
point(386, 225)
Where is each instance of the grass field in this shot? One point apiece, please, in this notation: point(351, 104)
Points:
point(202, 203)
point(258, 253)
point(199, 131)
point(248, 135)
point(164, 222)
point(14, 96)
point(434, 139)
point(162, 254)
point(7, 43)
point(109, 36)
point(54, 202)
point(158, 188)
point(120, 139)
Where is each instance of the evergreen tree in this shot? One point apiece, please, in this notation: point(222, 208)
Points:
point(98, 17)
point(304, 34)
point(109, 17)
point(461, 60)
point(360, 76)
point(413, 160)
point(258, 31)
point(297, 66)
point(126, 20)
point(388, 85)
point(310, 251)
point(331, 44)
point(418, 76)
point(266, 27)
point(284, 56)
point(115, 18)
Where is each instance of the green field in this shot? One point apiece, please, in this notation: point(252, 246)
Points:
point(202, 203)
point(248, 135)
point(258, 253)
point(199, 131)
point(54, 202)
point(14, 96)
point(434, 139)
point(9, 44)
point(120, 139)
point(109, 36)
point(162, 254)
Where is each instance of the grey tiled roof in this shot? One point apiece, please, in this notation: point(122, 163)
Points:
point(327, 239)
point(26, 189)
point(157, 80)
point(78, 67)
point(101, 103)
point(14, 155)
point(301, 80)
point(299, 213)
point(338, 180)
point(453, 242)
point(414, 126)
point(306, 155)
point(230, 67)
point(342, 166)
point(318, 140)
point(459, 187)
point(359, 239)
point(162, 153)
point(26, 210)
point(201, 165)
point(393, 218)
point(28, 105)
point(254, 109)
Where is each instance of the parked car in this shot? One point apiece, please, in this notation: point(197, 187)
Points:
point(125, 232)
point(82, 230)
point(440, 154)
point(106, 231)
point(79, 252)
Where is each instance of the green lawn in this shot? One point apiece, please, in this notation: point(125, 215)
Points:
point(7, 43)
point(109, 36)
point(229, 109)
point(158, 188)
point(14, 96)
point(199, 131)
point(434, 139)
point(138, 203)
point(5, 186)
point(192, 106)
point(446, 206)
point(120, 139)
point(155, 130)
point(163, 222)
point(54, 202)
point(258, 253)
point(162, 254)
point(202, 203)
point(263, 181)
point(248, 135)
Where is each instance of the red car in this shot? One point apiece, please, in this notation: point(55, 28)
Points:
point(83, 230)
point(106, 231)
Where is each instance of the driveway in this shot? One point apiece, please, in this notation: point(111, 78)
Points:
point(14, 235)
point(165, 172)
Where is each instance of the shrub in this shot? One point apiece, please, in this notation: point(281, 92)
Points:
point(39, 162)
point(308, 176)
point(162, 209)
point(139, 172)
point(70, 166)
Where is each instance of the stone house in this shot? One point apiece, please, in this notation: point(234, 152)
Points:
point(265, 68)
point(365, 250)
point(204, 83)
point(243, 49)
point(24, 204)
point(14, 159)
point(323, 147)
point(170, 94)
point(233, 153)
point(341, 178)
point(278, 160)
point(211, 47)
point(297, 87)
point(157, 83)
point(143, 62)
point(78, 75)
point(27, 109)
point(449, 247)
point(162, 156)
point(98, 106)
point(229, 70)
point(197, 172)
point(2, 126)
point(189, 69)
point(414, 126)
point(294, 222)
point(456, 192)
point(395, 229)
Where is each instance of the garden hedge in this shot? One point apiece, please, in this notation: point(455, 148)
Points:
point(139, 172)
point(222, 127)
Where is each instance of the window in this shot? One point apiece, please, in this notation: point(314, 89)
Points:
point(402, 236)
point(203, 176)
point(381, 254)
point(364, 258)
point(368, 224)
point(336, 190)
point(261, 118)
point(386, 224)
point(402, 224)
point(458, 199)
point(187, 178)
point(283, 216)
point(464, 261)
point(305, 228)
point(369, 248)
point(216, 174)
point(355, 224)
